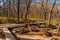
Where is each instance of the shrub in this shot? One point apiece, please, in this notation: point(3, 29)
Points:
point(3, 20)
point(12, 20)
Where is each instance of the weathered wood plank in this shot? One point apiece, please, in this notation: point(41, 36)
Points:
point(8, 34)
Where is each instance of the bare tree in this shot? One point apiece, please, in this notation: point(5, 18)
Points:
point(8, 6)
point(28, 3)
point(59, 23)
point(46, 9)
point(18, 11)
point(51, 11)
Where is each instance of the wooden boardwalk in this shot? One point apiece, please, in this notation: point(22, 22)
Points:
point(8, 34)
point(34, 37)
point(11, 25)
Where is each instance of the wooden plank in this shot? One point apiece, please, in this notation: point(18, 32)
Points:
point(11, 25)
point(8, 34)
point(34, 37)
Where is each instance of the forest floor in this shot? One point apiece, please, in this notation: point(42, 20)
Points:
point(37, 37)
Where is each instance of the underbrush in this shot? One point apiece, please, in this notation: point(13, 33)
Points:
point(52, 26)
point(5, 20)
point(14, 20)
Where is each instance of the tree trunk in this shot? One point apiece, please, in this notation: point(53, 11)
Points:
point(18, 11)
point(51, 12)
point(27, 13)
